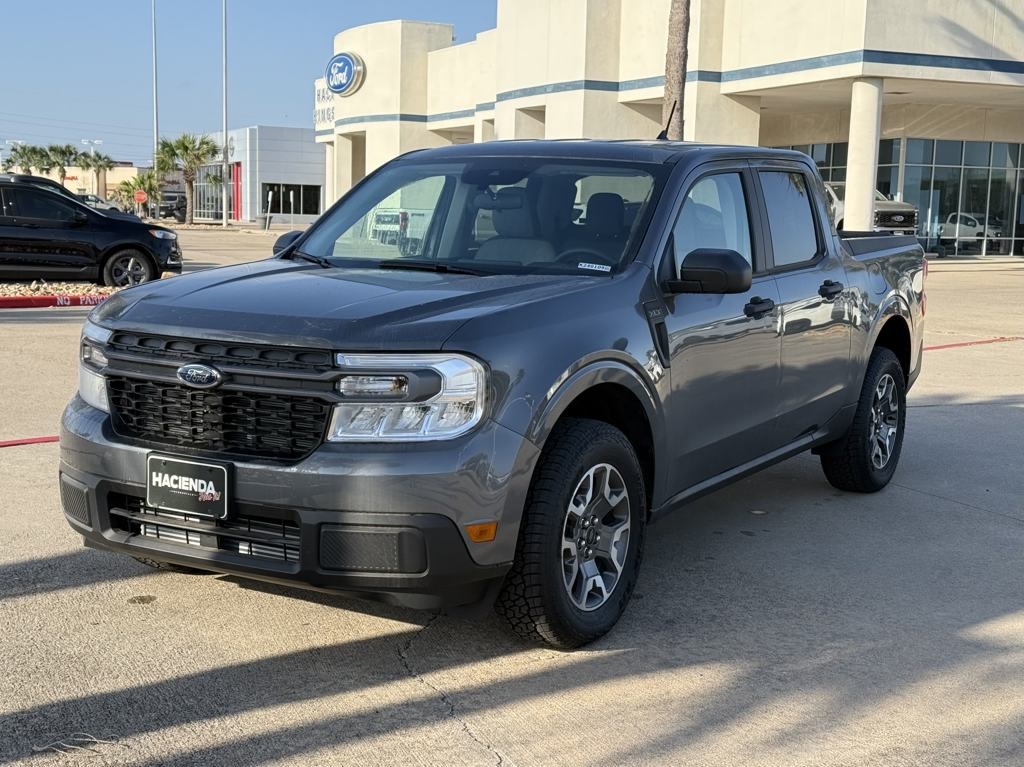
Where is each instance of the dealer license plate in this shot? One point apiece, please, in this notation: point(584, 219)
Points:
point(191, 487)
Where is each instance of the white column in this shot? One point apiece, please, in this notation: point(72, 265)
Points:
point(862, 155)
point(329, 195)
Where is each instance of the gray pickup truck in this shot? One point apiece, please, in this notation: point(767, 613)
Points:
point(587, 335)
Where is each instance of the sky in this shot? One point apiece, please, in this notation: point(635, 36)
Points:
point(75, 70)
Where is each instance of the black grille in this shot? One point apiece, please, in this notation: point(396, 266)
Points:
point(74, 500)
point(908, 220)
point(245, 535)
point(226, 354)
point(219, 420)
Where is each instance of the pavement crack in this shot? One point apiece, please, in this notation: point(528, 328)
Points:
point(445, 698)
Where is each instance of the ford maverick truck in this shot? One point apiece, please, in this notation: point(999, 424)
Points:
point(582, 337)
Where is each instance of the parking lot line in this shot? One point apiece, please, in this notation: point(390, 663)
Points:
point(28, 441)
point(999, 340)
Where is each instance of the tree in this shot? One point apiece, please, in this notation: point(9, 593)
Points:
point(99, 164)
point(187, 153)
point(675, 67)
point(60, 157)
point(26, 158)
point(148, 181)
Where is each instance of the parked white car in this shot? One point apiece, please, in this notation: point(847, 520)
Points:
point(970, 226)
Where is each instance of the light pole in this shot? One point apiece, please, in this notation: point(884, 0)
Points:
point(156, 118)
point(224, 147)
point(92, 143)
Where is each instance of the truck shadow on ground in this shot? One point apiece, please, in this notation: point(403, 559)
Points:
point(775, 590)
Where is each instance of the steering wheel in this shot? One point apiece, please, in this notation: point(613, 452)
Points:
point(582, 252)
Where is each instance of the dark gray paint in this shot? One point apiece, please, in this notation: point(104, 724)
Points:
point(737, 392)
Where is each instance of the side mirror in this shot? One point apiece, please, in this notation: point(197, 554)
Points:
point(80, 217)
point(712, 270)
point(285, 241)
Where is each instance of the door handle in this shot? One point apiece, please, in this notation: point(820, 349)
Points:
point(830, 289)
point(758, 307)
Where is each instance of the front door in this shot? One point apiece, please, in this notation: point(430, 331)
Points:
point(724, 349)
point(816, 312)
point(43, 236)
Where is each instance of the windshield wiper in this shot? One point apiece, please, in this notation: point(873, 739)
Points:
point(318, 260)
point(431, 266)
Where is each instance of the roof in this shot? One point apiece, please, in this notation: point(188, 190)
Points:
point(591, 149)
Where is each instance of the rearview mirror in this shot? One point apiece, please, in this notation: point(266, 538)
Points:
point(285, 240)
point(712, 270)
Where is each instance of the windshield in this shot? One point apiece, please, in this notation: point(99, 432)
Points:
point(493, 215)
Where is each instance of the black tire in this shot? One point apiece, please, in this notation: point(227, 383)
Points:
point(168, 566)
point(535, 599)
point(140, 266)
point(847, 462)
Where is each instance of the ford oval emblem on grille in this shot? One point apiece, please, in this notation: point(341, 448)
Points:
point(199, 376)
point(897, 219)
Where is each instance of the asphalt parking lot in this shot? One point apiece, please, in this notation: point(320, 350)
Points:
point(777, 622)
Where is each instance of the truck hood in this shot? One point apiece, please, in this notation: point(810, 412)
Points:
point(292, 303)
point(894, 206)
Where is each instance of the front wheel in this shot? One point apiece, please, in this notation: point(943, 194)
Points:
point(127, 268)
point(581, 538)
point(864, 459)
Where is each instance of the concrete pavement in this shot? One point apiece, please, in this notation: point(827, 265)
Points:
point(777, 622)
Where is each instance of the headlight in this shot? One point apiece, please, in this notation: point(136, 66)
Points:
point(407, 397)
point(91, 385)
point(163, 234)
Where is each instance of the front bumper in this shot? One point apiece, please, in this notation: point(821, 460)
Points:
point(379, 521)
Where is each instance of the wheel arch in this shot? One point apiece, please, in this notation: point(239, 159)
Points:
point(611, 392)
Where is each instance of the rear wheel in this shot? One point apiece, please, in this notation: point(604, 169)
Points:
point(128, 267)
point(865, 458)
point(581, 540)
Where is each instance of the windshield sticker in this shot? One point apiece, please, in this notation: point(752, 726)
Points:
point(594, 267)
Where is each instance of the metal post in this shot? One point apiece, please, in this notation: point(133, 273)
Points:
point(224, 149)
point(156, 117)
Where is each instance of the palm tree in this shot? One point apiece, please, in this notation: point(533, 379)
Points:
point(62, 156)
point(99, 164)
point(187, 153)
point(147, 181)
point(675, 68)
point(25, 158)
point(41, 159)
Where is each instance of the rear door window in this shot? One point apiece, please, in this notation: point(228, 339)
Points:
point(788, 202)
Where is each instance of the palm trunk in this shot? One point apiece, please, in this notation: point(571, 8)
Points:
point(188, 201)
point(675, 68)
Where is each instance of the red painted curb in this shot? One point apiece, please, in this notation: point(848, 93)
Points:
point(35, 302)
point(1000, 340)
point(28, 441)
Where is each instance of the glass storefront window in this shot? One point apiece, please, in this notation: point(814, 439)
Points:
point(945, 202)
point(821, 154)
point(949, 152)
point(889, 151)
point(1005, 155)
point(920, 151)
point(888, 180)
point(976, 153)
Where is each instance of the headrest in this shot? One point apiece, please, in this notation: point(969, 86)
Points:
point(511, 216)
point(606, 213)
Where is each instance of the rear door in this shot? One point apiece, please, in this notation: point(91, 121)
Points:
point(45, 237)
point(817, 310)
point(724, 349)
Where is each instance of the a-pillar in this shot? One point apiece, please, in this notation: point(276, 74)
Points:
point(862, 155)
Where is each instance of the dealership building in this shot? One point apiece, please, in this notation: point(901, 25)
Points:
point(921, 99)
point(272, 170)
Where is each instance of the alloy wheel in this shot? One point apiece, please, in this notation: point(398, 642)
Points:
point(885, 419)
point(128, 270)
point(595, 537)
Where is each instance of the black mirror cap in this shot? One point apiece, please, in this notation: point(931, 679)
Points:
point(80, 217)
point(712, 270)
point(285, 241)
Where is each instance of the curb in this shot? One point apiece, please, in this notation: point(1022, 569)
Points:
point(35, 302)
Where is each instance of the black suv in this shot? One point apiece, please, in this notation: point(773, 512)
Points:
point(52, 236)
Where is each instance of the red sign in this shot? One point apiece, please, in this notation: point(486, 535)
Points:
point(140, 196)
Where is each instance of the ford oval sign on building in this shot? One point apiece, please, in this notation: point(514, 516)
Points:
point(345, 73)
